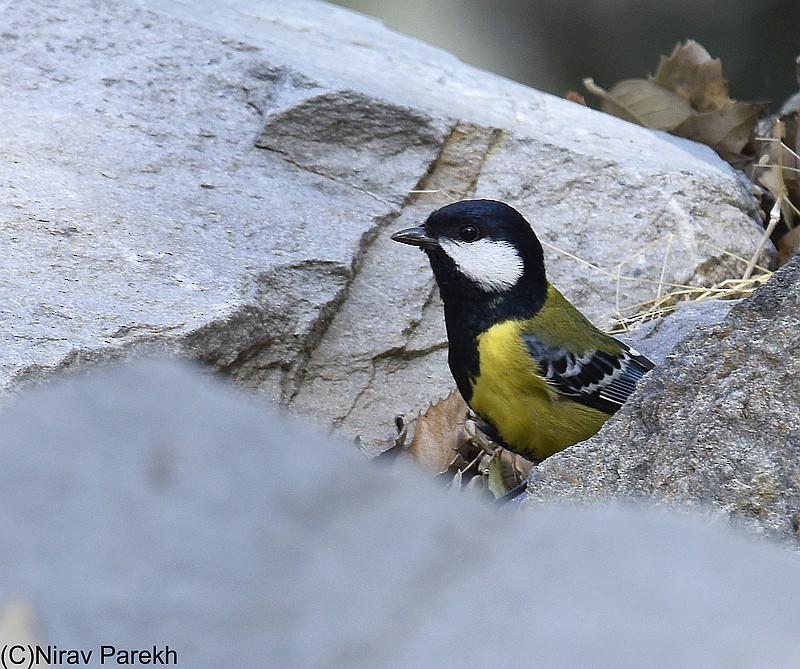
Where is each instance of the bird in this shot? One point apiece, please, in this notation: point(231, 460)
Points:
point(524, 358)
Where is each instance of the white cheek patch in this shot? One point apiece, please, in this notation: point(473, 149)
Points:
point(493, 265)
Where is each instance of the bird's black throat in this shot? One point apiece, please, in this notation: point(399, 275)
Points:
point(470, 310)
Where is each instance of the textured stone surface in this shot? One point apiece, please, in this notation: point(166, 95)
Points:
point(717, 425)
point(658, 337)
point(221, 179)
point(149, 504)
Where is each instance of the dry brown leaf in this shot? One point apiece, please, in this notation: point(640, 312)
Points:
point(788, 160)
point(575, 97)
point(439, 433)
point(772, 179)
point(495, 481)
point(726, 131)
point(778, 167)
point(688, 96)
point(690, 72)
point(643, 102)
point(791, 167)
point(788, 246)
point(449, 442)
point(520, 467)
point(778, 170)
point(505, 471)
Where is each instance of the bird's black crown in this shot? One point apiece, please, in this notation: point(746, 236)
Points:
point(492, 219)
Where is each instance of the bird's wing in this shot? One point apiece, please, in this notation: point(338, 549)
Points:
point(596, 378)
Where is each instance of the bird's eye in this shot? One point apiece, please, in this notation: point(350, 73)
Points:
point(469, 233)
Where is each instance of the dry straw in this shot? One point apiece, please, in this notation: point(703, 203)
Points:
point(668, 295)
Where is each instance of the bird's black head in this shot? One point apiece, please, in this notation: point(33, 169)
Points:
point(484, 256)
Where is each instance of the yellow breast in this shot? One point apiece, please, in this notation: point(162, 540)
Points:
point(529, 415)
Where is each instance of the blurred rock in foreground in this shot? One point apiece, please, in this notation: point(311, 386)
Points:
point(150, 504)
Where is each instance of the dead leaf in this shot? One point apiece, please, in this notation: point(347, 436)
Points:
point(449, 442)
point(573, 96)
point(439, 433)
point(688, 96)
point(788, 246)
point(496, 482)
point(643, 102)
point(506, 471)
point(778, 166)
point(690, 72)
point(727, 131)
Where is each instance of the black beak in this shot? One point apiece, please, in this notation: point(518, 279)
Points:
point(416, 237)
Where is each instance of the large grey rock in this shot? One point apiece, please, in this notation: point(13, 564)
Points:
point(657, 338)
point(717, 425)
point(149, 504)
point(221, 178)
